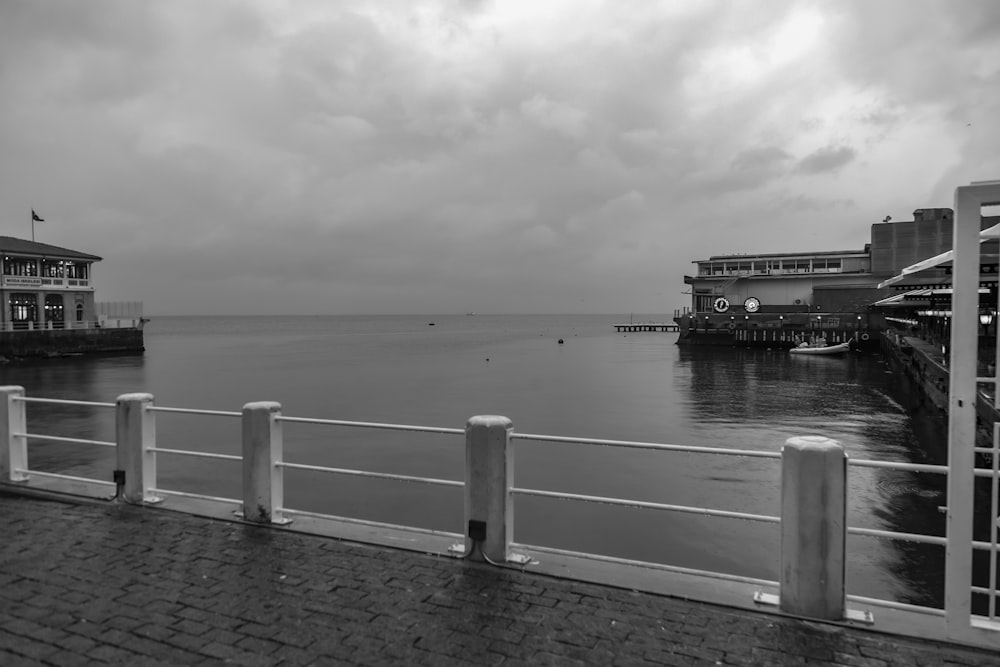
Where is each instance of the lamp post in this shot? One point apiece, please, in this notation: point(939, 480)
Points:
point(986, 319)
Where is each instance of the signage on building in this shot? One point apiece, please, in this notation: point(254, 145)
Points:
point(21, 281)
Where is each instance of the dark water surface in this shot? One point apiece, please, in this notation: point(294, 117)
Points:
point(599, 384)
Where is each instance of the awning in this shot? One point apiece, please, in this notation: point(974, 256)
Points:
point(937, 260)
point(920, 297)
point(929, 263)
point(900, 300)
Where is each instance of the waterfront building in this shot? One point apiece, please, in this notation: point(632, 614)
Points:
point(45, 286)
point(49, 305)
point(921, 304)
point(777, 299)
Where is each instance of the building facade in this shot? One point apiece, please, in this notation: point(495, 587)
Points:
point(45, 287)
point(775, 299)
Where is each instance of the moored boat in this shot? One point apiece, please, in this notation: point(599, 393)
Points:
point(822, 348)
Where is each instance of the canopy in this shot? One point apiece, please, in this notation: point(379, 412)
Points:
point(920, 297)
point(937, 260)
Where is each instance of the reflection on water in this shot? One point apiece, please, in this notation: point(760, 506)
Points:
point(599, 384)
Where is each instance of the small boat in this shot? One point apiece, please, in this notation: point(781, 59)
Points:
point(806, 348)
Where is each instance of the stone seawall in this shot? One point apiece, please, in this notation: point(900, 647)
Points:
point(56, 343)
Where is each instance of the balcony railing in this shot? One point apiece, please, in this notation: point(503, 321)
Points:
point(27, 327)
point(45, 282)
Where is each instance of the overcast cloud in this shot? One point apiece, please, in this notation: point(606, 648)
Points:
point(258, 157)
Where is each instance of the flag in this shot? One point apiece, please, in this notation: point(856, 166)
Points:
point(35, 218)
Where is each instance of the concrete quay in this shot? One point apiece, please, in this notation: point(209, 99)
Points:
point(90, 583)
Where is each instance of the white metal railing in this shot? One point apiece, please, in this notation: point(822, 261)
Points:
point(69, 325)
point(972, 613)
point(123, 310)
point(18, 281)
point(813, 489)
point(14, 462)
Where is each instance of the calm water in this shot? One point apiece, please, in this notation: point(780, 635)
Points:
point(601, 384)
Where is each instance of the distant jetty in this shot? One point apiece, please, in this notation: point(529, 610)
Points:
point(647, 326)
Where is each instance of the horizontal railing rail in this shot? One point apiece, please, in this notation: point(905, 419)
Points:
point(70, 478)
point(375, 425)
point(195, 411)
point(653, 446)
point(66, 325)
point(61, 401)
point(60, 438)
point(195, 454)
point(813, 487)
point(368, 473)
point(642, 504)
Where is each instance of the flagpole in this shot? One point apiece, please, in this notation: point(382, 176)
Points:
point(32, 225)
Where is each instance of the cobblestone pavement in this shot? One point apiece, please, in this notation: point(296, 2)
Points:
point(84, 583)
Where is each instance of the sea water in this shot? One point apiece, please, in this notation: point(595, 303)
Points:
point(439, 370)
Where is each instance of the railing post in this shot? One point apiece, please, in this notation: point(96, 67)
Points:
point(489, 475)
point(135, 435)
point(14, 448)
point(263, 479)
point(813, 527)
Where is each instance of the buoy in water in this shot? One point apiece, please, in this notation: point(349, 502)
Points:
point(560, 341)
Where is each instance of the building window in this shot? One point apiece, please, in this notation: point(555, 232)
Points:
point(52, 269)
point(54, 310)
point(76, 270)
point(79, 312)
point(826, 265)
point(20, 266)
point(23, 309)
point(703, 304)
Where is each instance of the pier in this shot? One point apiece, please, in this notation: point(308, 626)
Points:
point(647, 326)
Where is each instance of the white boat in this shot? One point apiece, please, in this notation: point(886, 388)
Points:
point(806, 348)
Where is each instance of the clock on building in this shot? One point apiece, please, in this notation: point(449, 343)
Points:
point(751, 305)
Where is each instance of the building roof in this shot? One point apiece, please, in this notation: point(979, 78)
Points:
point(782, 255)
point(15, 246)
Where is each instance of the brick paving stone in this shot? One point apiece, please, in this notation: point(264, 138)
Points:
point(85, 583)
point(153, 631)
point(109, 653)
point(69, 659)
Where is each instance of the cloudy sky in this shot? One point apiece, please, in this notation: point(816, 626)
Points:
point(264, 157)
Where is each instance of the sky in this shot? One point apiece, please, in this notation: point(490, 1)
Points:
point(565, 156)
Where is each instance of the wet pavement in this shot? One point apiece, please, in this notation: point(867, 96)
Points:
point(88, 583)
